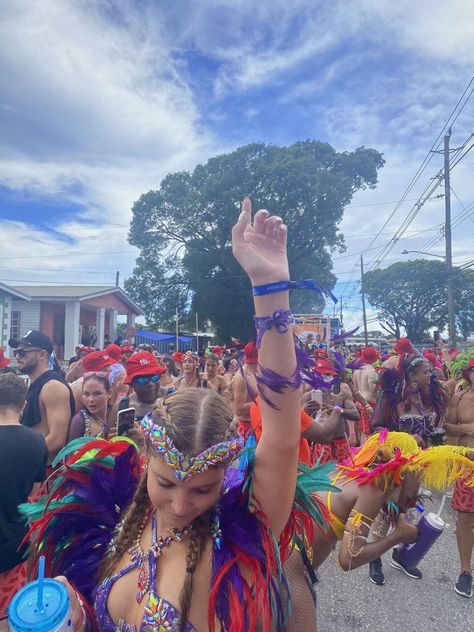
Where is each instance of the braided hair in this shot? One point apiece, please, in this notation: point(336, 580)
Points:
point(195, 419)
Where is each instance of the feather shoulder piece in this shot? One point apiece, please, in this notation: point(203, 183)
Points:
point(93, 483)
point(258, 598)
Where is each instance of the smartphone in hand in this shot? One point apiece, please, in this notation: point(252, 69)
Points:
point(317, 396)
point(125, 420)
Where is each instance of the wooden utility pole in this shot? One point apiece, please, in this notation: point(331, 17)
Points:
point(362, 291)
point(447, 235)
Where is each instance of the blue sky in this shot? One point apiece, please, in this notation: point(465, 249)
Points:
point(101, 99)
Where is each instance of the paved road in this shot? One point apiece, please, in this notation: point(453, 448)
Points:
point(349, 602)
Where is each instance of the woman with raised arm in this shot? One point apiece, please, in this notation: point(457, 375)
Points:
point(189, 542)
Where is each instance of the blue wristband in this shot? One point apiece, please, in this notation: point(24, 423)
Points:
point(282, 286)
point(271, 288)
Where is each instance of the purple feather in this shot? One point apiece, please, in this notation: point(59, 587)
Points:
point(242, 531)
point(339, 362)
point(342, 337)
point(79, 536)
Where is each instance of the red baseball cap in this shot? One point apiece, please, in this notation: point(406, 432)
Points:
point(114, 351)
point(466, 372)
point(3, 360)
point(127, 349)
point(84, 348)
point(250, 353)
point(403, 346)
point(96, 361)
point(325, 367)
point(178, 356)
point(369, 355)
point(142, 363)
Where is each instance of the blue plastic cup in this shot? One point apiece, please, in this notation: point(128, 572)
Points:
point(27, 613)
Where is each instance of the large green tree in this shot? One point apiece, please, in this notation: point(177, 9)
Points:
point(411, 297)
point(183, 229)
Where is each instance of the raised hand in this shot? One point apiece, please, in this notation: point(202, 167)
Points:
point(260, 248)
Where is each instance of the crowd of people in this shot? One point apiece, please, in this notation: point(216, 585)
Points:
point(205, 491)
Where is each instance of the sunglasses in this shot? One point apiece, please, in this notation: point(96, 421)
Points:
point(142, 380)
point(21, 353)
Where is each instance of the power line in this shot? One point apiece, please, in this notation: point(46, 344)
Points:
point(426, 160)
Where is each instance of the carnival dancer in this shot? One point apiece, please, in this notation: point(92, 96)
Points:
point(245, 389)
point(91, 421)
point(368, 481)
point(214, 380)
point(172, 372)
point(460, 428)
point(364, 381)
point(329, 373)
point(191, 378)
point(194, 548)
point(411, 400)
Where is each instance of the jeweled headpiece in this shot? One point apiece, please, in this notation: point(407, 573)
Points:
point(184, 465)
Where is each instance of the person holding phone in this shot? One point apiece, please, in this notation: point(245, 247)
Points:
point(143, 376)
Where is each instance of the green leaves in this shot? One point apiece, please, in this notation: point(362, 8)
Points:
point(412, 296)
point(183, 229)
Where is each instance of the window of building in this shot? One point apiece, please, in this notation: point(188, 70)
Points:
point(15, 324)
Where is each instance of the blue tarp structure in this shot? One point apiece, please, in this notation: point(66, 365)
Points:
point(164, 339)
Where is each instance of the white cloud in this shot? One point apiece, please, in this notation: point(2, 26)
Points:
point(97, 105)
point(93, 111)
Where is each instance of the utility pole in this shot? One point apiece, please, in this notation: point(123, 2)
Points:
point(362, 291)
point(340, 311)
point(177, 330)
point(197, 333)
point(117, 277)
point(447, 235)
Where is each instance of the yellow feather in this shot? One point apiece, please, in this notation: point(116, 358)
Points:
point(401, 440)
point(439, 466)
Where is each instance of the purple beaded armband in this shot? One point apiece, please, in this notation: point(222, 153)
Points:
point(280, 321)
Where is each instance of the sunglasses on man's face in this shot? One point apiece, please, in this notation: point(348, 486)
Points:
point(142, 380)
point(21, 353)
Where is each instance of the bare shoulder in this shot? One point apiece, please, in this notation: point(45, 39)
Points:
point(238, 381)
point(54, 389)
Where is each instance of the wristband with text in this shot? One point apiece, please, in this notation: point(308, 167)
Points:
point(283, 286)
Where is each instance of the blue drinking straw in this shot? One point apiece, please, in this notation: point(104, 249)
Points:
point(39, 603)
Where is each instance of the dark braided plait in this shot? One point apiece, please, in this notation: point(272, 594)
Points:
point(128, 529)
point(196, 545)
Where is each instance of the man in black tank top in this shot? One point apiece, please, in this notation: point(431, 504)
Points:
point(50, 404)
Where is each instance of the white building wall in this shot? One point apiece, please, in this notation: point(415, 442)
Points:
point(30, 314)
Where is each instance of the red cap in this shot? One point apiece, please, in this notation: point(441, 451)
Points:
point(127, 349)
point(3, 360)
point(325, 367)
point(320, 353)
point(430, 355)
point(142, 363)
point(250, 353)
point(466, 373)
point(403, 346)
point(114, 351)
point(96, 361)
point(178, 356)
point(218, 350)
point(369, 355)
